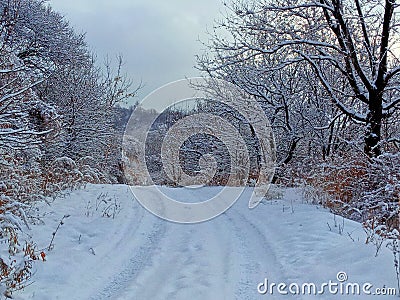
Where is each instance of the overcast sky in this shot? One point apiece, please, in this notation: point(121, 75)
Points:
point(158, 39)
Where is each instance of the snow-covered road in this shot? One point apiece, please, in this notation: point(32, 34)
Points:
point(139, 256)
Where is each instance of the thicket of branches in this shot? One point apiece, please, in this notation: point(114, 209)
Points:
point(58, 116)
point(327, 74)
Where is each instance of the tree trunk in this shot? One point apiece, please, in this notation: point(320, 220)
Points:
point(374, 125)
point(291, 150)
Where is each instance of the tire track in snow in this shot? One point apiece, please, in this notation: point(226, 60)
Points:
point(190, 271)
point(141, 258)
point(191, 265)
point(176, 261)
point(257, 255)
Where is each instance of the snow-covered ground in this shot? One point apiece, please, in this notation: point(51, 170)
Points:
point(134, 255)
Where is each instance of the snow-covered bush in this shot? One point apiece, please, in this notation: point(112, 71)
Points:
point(380, 200)
point(23, 182)
point(363, 189)
point(64, 173)
point(18, 188)
point(394, 246)
point(57, 123)
point(16, 260)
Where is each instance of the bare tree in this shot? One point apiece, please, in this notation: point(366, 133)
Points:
point(348, 45)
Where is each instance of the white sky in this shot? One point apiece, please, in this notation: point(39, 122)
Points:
point(158, 39)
